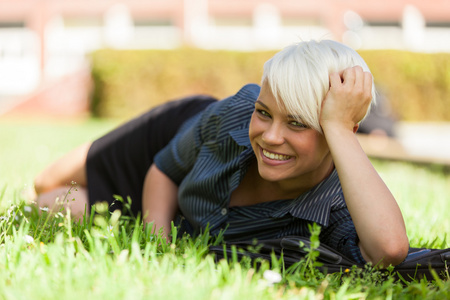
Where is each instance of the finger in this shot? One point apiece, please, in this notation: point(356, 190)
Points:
point(368, 84)
point(349, 76)
point(359, 78)
point(335, 79)
point(358, 69)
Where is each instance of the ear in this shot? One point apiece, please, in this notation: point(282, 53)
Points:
point(355, 128)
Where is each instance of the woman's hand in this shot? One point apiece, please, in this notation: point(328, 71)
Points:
point(348, 98)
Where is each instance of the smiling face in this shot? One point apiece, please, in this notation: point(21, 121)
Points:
point(287, 151)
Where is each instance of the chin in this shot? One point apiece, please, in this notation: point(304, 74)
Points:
point(270, 175)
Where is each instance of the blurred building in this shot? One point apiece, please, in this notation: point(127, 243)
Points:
point(45, 40)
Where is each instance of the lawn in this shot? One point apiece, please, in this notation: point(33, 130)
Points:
point(52, 257)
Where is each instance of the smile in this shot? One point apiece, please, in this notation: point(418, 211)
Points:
point(275, 156)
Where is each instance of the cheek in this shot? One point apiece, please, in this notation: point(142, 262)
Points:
point(254, 127)
point(310, 144)
point(320, 145)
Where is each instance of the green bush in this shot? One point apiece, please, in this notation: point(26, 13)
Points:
point(129, 82)
point(417, 84)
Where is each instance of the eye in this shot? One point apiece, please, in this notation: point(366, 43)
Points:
point(298, 124)
point(263, 113)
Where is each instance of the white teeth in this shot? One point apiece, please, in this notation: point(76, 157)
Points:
point(275, 156)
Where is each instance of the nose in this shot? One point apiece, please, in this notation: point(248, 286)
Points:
point(273, 134)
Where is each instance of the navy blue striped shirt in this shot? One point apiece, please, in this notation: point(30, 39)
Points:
point(208, 159)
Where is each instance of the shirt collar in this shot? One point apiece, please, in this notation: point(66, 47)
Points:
point(315, 205)
point(240, 136)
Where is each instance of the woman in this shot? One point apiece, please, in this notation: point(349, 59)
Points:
point(263, 163)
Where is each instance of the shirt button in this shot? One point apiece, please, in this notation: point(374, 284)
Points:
point(223, 211)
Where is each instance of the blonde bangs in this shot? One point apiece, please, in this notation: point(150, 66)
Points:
point(299, 76)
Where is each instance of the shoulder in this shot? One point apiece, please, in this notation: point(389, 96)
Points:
point(239, 108)
point(245, 97)
point(242, 103)
point(248, 93)
point(230, 113)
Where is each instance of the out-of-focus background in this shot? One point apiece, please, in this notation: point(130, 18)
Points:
point(114, 59)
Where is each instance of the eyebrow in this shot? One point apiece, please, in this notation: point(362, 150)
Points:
point(261, 103)
point(289, 116)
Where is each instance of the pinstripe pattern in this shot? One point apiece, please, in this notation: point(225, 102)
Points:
point(209, 157)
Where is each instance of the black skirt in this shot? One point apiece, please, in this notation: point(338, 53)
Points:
point(117, 163)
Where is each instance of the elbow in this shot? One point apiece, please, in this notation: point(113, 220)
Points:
point(393, 253)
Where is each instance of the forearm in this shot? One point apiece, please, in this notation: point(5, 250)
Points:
point(374, 211)
point(159, 200)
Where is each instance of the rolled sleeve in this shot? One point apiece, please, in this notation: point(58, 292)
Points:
point(178, 158)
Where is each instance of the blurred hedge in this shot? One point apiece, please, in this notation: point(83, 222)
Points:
point(129, 82)
point(417, 84)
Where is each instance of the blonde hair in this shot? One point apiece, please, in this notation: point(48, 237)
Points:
point(298, 76)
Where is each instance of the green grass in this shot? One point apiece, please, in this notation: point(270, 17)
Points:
point(112, 257)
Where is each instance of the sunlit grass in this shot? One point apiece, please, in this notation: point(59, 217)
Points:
point(423, 194)
point(46, 256)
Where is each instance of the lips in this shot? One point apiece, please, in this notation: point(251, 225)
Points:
point(275, 156)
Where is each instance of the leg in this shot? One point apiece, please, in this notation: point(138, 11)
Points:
point(57, 179)
point(73, 199)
